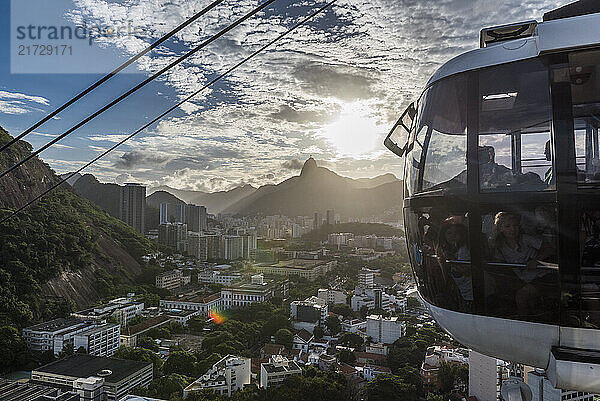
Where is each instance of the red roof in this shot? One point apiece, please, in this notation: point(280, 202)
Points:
point(369, 356)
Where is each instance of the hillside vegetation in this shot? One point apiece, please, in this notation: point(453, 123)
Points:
point(51, 254)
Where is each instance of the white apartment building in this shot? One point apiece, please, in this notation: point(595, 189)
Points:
point(311, 310)
point(201, 303)
point(370, 298)
point(227, 376)
point(123, 309)
point(103, 340)
point(258, 290)
point(98, 338)
point(365, 278)
point(275, 372)
point(217, 277)
point(354, 325)
point(332, 296)
point(486, 375)
point(384, 330)
point(170, 280)
point(232, 247)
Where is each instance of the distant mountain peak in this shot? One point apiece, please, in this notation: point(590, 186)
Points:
point(310, 165)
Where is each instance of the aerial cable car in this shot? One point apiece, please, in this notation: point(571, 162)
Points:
point(502, 194)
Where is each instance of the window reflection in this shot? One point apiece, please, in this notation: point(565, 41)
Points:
point(441, 256)
point(521, 270)
point(585, 90)
point(590, 267)
point(514, 128)
point(438, 158)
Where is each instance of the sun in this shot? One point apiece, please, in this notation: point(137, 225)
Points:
point(355, 133)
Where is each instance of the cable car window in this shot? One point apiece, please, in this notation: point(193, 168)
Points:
point(515, 151)
point(438, 159)
point(441, 257)
point(584, 69)
point(590, 267)
point(521, 263)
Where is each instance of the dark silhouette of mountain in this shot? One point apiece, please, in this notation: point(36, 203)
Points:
point(215, 202)
point(106, 196)
point(317, 189)
point(159, 197)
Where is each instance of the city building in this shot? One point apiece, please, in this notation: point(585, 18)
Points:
point(172, 213)
point(123, 309)
point(117, 377)
point(181, 316)
point(204, 247)
point(103, 340)
point(332, 296)
point(59, 333)
point(330, 217)
point(308, 269)
point(195, 217)
point(276, 370)
point(170, 280)
point(377, 348)
point(486, 375)
point(131, 334)
point(173, 235)
point(15, 391)
point(225, 377)
point(370, 298)
point(354, 325)
point(365, 278)
point(204, 304)
point(542, 389)
point(309, 313)
point(232, 247)
point(258, 290)
point(384, 330)
point(218, 277)
point(250, 244)
point(132, 206)
point(369, 372)
point(317, 221)
point(302, 340)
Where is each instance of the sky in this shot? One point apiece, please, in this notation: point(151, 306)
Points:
point(331, 90)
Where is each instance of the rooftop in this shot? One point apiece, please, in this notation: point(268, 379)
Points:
point(280, 365)
point(200, 299)
point(55, 325)
point(299, 264)
point(146, 325)
point(83, 366)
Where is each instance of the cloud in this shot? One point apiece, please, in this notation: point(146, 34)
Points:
point(293, 164)
point(136, 158)
point(257, 124)
point(15, 103)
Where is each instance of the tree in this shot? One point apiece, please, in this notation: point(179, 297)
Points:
point(386, 387)
point(148, 343)
point(284, 337)
point(351, 340)
point(81, 350)
point(333, 325)
point(13, 348)
point(318, 333)
point(347, 356)
point(180, 362)
point(141, 354)
point(343, 309)
point(413, 303)
point(196, 325)
point(167, 387)
point(68, 349)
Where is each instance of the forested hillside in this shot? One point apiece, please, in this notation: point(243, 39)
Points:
point(56, 255)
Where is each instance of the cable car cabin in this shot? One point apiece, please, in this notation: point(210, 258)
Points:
point(502, 194)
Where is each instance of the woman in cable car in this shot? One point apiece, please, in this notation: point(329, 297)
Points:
point(505, 140)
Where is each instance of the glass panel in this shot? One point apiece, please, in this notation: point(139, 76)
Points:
point(441, 132)
point(440, 255)
point(515, 151)
point(520, 266)
point(590, 267)
point(584, 69)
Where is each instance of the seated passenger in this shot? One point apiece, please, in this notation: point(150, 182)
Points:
point(509, 244)
point(496, 176)
point(452, 246)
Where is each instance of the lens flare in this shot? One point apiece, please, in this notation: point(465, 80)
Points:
point(216, 317)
